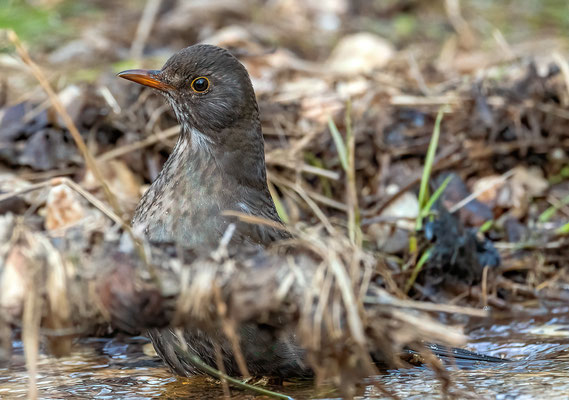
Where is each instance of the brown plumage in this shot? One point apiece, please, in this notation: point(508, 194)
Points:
point(217, 164)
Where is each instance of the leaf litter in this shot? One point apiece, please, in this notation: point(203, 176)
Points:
point(347, 132)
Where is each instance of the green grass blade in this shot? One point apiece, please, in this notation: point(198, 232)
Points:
point(486, 226)
point(563, 230)
point(550, 211)
point(424, 257)
point(438, 193)
point(281, 211)
point(340, 145)
point(430, 158)
point(198, 363)
point(428, 168)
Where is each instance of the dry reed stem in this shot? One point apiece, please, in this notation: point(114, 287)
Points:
point(144, 27)
point(127, 148)
point(430, 307)
point(75, 187)
point(253, 219)
point(231, 333)
point(351, 184)
point(280, 181)
point(323, 298)
point(30, 332)
point(56, 102)
point(415, 72)
point(25, 190)
point(326, 173)
point(484, 287)
point(221, 368)
point(89, 160)
point(458, 22)
point(315, 209)
point(475, 195)
point(345, 284)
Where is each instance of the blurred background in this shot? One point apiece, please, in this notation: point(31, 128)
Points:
point(382, 69)
point(102, 32)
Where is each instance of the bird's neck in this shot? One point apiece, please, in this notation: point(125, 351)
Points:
point(236, 162)
point(237, 154)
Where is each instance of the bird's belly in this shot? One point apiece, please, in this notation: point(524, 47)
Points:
point(264, 353)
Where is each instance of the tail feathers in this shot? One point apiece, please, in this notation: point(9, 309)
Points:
point(462, 355)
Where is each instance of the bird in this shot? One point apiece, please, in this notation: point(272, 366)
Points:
point(217, 164)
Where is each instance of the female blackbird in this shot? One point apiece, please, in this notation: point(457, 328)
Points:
point(217, 164)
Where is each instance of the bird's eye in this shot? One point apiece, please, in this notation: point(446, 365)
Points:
point(200, 84)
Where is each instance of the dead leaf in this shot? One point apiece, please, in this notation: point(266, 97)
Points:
point(63, 208)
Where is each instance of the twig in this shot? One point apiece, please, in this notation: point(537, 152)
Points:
point(73, 186)
point(253, 219)
point(230, 331)
point(144, 27)
point(345, 284)
point(351, 184)
point(93, 200)
point(313, 195)
point(219, 362)
point(430, 307)
point(320, 172)
point(430, 328)
point(415, 72)
point(31, 324)
point(503, 43)
point(485, 286)
point(474, 195)
point(458, 22)
point(158, 137)
point(25, 190)
point(56, 102)
point(317, 211)
point(80, 143)
point(409, 100)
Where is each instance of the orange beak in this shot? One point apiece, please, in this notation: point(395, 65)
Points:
point(146, 77)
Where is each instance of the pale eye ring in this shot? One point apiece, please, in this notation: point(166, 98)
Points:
point(200, 84)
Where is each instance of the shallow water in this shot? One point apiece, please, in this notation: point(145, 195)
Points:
point(119, 368)
point(539, 370)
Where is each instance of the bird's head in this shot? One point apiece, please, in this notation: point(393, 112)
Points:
point(208, 88)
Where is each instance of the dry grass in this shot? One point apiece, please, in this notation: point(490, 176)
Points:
point(341, 155)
